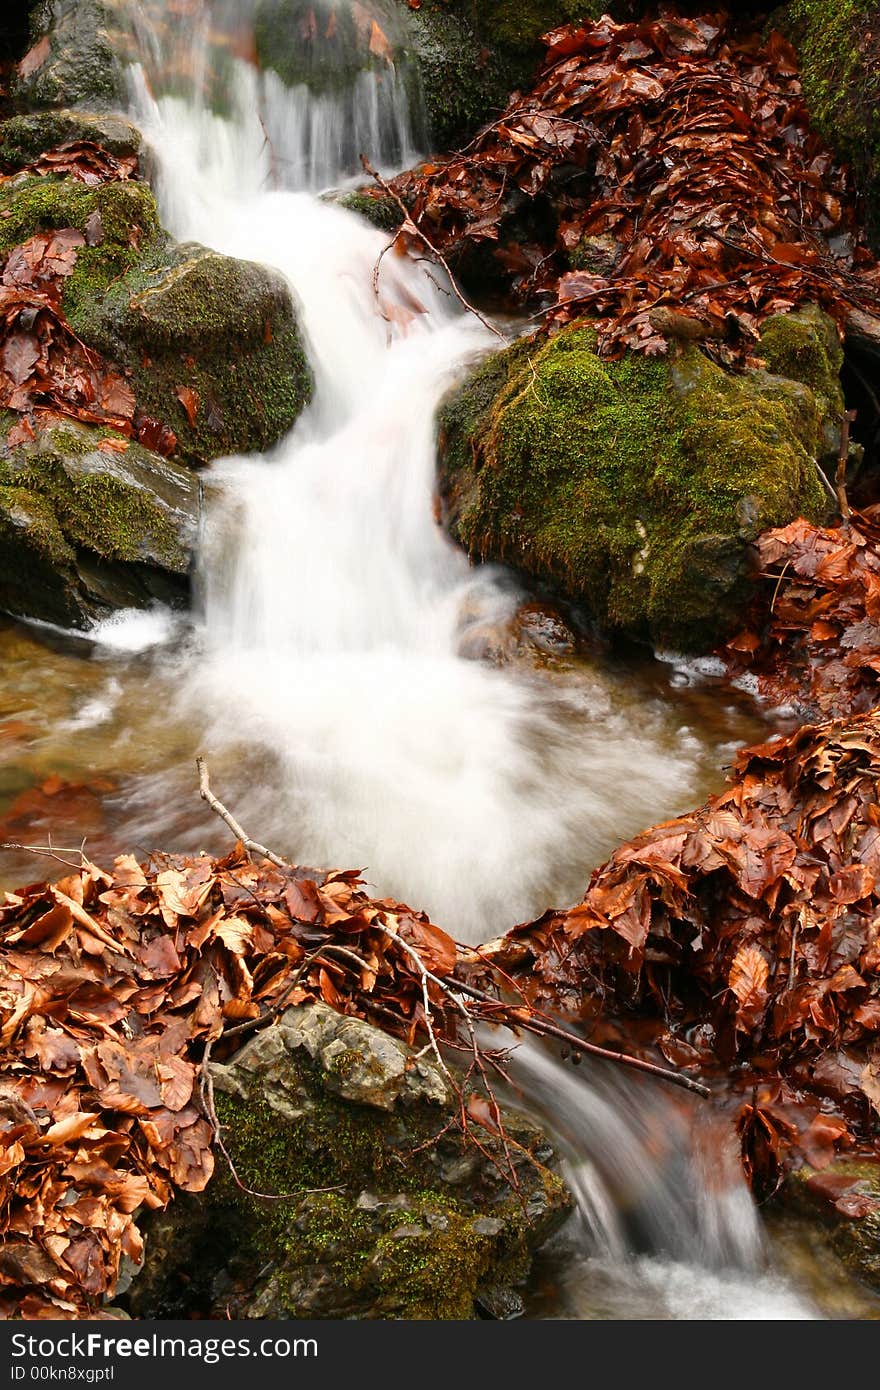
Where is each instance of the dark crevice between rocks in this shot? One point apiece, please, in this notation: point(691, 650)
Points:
point(860, 378)
point(14, 30)
point(14, 40)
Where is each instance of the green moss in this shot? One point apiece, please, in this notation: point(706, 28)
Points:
point(379, 212)
point(31, 519)
point(129, 221)
point(31, 204)
point(413, 1252)
point(633, 486)
point(856, 1241)
point(94, 510)
point(222, 328)
point(805, 346)
point(839, 50)
point(24, 138)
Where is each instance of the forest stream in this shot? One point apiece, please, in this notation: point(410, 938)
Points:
point(338, 674)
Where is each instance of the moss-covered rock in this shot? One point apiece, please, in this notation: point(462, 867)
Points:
point(838, 47)
point(384, 1215)
point(846, 1196)
point(84, 530)
point(24, 138)
point(79, 64)
point(128, 220)
point(634, 487)
point(189, 319)
point(381, 212)
point(176, 318)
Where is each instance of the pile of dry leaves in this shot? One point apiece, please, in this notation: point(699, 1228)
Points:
point(747, 937)
point(675, 161)
point(814, 636)
point(111, 987)
point(45, 369)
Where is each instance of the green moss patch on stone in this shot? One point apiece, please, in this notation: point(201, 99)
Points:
point(25, 137)
point(379, 212)
point(223, 328)
point(84, 530)
point(855, 1239)
point(129, 221)
point(632, 486)
point(838, 47)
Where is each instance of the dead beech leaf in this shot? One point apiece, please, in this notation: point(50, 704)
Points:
point(748, 976)
point(869, 1082)
point(191, 402)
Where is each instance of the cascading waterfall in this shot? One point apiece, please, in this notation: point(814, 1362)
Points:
point(333, 604)
point(327, 664)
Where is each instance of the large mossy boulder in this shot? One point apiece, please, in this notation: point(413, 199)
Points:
point(838, 46)
point(211, 344)
point(90, 522)
point(385, 1213)
point(636, 487)
point(72, 59)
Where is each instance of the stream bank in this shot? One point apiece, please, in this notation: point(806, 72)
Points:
point(328, 671)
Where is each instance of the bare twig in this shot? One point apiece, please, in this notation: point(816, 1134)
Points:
point(527, 1017)
point(411, 229)
point(47, 851)
point(250, 846)
point(842, 460)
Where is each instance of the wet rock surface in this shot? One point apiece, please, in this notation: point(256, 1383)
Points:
point(85, 529)
point(72, 58)
point(637, 487)
point(389, 1213)
point(845, 1197)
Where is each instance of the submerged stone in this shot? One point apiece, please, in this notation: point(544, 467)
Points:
point(846, 1196)
point(636, 487)
point(84, 530)
point(387, 1212)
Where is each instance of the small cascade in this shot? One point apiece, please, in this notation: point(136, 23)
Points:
point(334, 605)
point(665, 1224)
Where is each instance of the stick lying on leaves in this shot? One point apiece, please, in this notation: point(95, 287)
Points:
point(450, 988)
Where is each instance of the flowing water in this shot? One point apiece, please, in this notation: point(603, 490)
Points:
point(324, 673)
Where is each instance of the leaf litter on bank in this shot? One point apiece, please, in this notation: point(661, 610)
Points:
point(744, 940)
point(45, 369)
point(674, 159)
point(812, 640)
point(111, 985)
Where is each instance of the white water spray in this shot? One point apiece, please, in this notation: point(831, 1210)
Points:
point(333, 603)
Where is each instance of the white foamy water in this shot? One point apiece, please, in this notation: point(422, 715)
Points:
point(665, 1225)
point(333, 603)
